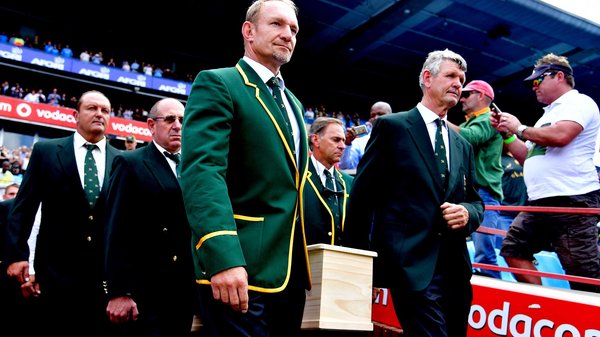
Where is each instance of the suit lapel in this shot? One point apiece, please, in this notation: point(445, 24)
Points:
point(456, 148)
point(267, 102)
point(66, 159)
point(420, 135)
point(157, 165)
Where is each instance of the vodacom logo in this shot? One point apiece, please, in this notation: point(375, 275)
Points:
point(24, 110)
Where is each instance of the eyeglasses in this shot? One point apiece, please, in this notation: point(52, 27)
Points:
point(466, 94)
point(170, 119)
point(538, 81)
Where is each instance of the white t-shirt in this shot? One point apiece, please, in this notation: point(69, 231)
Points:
point(569, 170)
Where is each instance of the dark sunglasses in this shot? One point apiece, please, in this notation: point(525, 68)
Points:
point(538, 81)
point(170, 119)
point(466, 94)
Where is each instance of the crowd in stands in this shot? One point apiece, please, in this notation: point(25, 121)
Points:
point(97, 57)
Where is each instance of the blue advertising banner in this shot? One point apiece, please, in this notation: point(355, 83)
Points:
point(40, 58)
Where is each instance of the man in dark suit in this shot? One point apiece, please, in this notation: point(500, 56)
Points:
point(149, 270)
point(68, 260)
point(244, 162)
point(416, 210)
point(325, 207)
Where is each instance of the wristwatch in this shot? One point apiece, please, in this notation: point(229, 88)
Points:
point(520, 130)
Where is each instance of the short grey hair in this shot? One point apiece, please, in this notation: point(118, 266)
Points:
point(254, 9)
point(320, 124)
point(434, 61)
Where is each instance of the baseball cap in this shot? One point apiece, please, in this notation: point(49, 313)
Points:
point(541, 69)
point(130, 139)
point(480, 86)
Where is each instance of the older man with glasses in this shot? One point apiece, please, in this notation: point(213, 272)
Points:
point(557, 157)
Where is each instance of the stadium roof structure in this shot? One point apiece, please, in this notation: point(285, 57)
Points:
point(351, 53)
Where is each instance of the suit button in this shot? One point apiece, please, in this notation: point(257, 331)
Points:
point(174, 258)
point(89, 239)
point(328, 233)
point(91, 217)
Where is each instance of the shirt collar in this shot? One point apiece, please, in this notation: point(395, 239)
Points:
point(79, 141)
point(428, 115)
point(320, 167)
point(162, 149)
point(263, 72)
point(477, 113)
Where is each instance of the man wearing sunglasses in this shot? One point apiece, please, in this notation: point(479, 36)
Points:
point(149, 270)
point(557, 157)
point(476, 98)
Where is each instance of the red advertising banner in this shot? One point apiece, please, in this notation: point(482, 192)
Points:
point(502, 308)
point(60, 117)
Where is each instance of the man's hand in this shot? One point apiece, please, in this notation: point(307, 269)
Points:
point(456, 216)
point(350, 136)
point(19, 270)
point(30, 288)
point(122, 309)
point(231, 287)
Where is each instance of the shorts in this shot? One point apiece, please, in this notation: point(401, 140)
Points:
point(574, 237)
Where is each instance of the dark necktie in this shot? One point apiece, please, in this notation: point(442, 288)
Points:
point(273, 83)
point(440, 152)
point(332, 199)
point(176, 157)
point(91, 184)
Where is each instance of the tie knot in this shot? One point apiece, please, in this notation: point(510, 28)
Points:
point(176, 157)
point(327, 174)
point(90, 147)
point(439, 122)
point(273, 83)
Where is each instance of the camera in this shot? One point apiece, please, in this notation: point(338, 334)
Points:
point(360, 130)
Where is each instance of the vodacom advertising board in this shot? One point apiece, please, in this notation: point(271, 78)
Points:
point(502, 308)
point(60, 117)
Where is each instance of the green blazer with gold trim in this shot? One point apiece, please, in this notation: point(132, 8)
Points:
point(240, 178)
point(318, 217)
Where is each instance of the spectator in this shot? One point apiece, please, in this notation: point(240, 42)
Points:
point(158, 72)
point(487, 145)
point(126, 66)
point(66, 52)
point(10, 192)
point(69, 243)
point(15, 169)
point(5, 88)
point(97, 58)
point(154, 291)
point(32, 97)
point(135, 66)
point(355, 147)
point(557, 157)
point(419, 222)
point(243, 203)
point(130, 143)
point(325, 204)
point(6, 176)
point(111, 62)
point(84, 56)
point(54, 98)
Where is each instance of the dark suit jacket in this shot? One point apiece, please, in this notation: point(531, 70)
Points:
point(319, 222)
point(397, 189)
point(69, 245)
point(148, 253)
point(240, 179)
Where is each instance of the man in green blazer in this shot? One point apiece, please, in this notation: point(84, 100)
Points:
point(325, 207)
point(243, 167)
point(415, 208)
